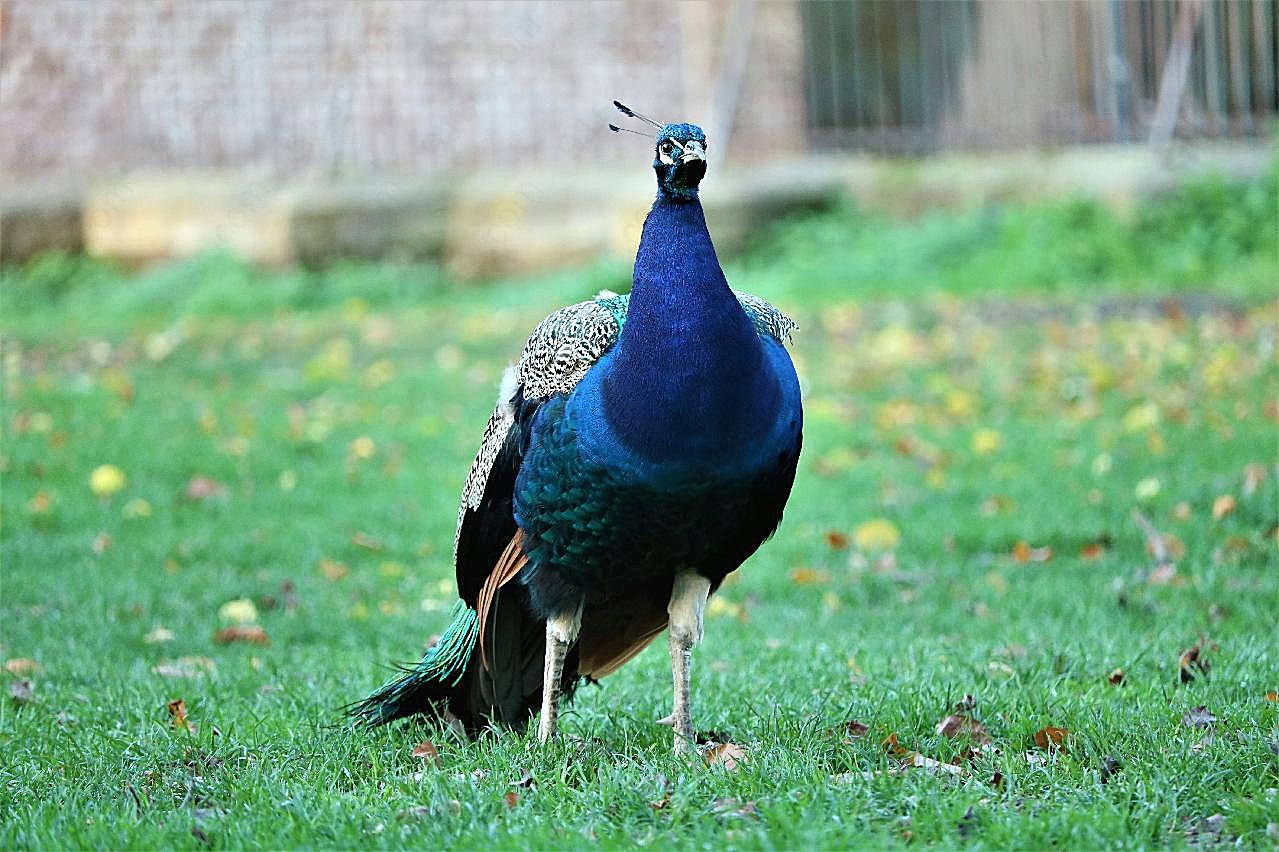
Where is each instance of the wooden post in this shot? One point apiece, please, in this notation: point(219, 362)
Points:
point(1172, 80)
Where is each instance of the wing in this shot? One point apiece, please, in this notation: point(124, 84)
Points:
point(557, 355)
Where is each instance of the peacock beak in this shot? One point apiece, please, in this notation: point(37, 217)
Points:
point(693, 150)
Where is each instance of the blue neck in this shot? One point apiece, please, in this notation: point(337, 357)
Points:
point(687, 379)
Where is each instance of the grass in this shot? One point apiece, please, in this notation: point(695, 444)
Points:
point(968, 407)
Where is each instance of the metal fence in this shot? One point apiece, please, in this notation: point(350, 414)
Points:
point(914, 76)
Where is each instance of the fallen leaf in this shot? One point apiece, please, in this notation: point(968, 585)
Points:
point(1272, 696)
point(158, 634)
point(366, 541)
point(428, 752)
point(239, 611)
point(809, 577)
point(202, 488)
point(1116, 677)
point(727, 755)
point(1199, 717)
point(21, 666)
point(184, 667)
point(996, 504)
point(1253, 475)
point(20, 691)
point(1147, 489)
point(1052, 739)
point(178, 715)
point(250, 633)
point(877, 534)
point(986, 441)
point(1209, 829)
point(852, 729)
point(1190, 662)
point(414, 812)
point(1222, 506)
point(836, 540)
point(106, 480)
point(734, 807)
point(919, 761)
point(1092, 551)
point(511, 798)
point(332, 570)
point(958, 725)
point(1022, 553)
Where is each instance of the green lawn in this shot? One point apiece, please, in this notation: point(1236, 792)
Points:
point(983, 418)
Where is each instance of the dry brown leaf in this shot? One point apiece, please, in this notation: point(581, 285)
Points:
point(728, 755)
point(1092, 551)
point(1199, 717)
point(178, 715)
point(836, 540)
point(428, 752)
point(893, 747)
point(1190, 662)
point(1116, 677)
point(511, 798)
point(250, 633)
point(332, 569)
point(1023, 553)
point(21, 666)
point(203, 487)
point(1272, 696)
point(1052, 739)
point(809, 577)
point(852, 729)
point(1222, 506)
point(959, 725)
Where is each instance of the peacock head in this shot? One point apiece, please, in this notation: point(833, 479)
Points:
point(679, 157)
point(680, 161)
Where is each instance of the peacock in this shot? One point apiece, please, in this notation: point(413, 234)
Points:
point(641, 449)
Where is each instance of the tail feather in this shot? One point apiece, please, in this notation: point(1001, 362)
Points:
point(429, 684)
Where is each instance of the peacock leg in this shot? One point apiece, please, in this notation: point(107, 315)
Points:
point(561, 632)
point(688, 603)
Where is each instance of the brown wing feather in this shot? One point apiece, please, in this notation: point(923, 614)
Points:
point(508, 565)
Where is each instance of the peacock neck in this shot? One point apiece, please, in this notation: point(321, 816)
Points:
point(687, 373)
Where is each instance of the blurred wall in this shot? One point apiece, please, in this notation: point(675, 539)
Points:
point(296, 87)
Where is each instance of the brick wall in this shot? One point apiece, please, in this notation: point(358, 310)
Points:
point(291, 88)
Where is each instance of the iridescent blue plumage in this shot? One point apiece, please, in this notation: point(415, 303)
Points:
point(646, 449)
